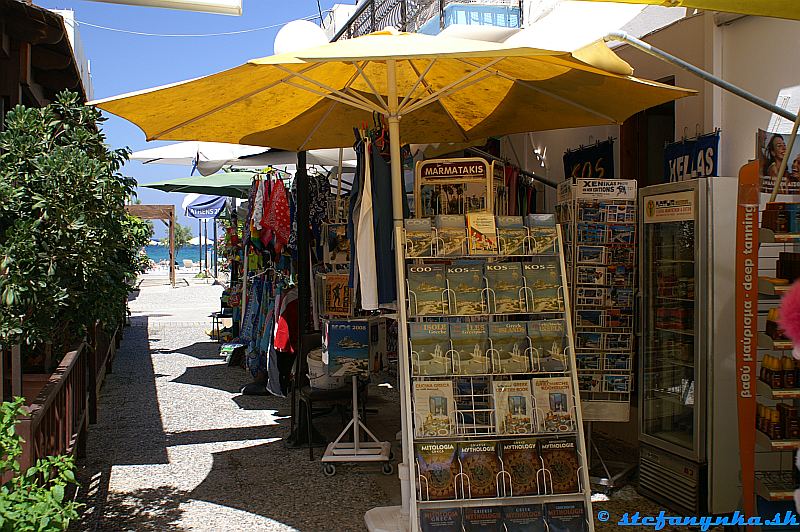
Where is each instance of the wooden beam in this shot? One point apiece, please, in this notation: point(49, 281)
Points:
point(151, 212)
point(47, 58)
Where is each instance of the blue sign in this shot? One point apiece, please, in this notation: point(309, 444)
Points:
point(691, 158)
point(206, 207)
point(590, 162)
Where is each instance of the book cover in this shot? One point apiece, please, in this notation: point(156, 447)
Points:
point(560, 461)
point(440, 520)
point(336, 248)
point(451, 235)
point(480, 464)
point(549, 341)
point(483, 519)
point(521, 463)
point(338, 296)
point(437, 467)
point(426, 288)
point(430, 344)
point(506, 282)
point(470, 343)
point(513, 407)
point(434, 409)
point(482, 233)
point(566, 517)
point(524, 518)
point(419, 237)
point(542, 284)
point(466, 285)
point(345, 347)
point(510, 352)
point(554, 404)
point(512, 235)
point(542, 229)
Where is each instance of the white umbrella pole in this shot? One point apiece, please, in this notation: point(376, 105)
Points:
point(402, 341)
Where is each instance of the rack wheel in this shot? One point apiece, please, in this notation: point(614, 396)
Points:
point(387, 468)
point(329, 470)
point(391, 455)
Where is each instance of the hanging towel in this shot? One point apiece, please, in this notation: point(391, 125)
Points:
point(365, 243)
point(277, 222)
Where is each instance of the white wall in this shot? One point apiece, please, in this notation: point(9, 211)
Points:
point(77, 49)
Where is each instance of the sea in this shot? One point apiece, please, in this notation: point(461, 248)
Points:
point(159, 253)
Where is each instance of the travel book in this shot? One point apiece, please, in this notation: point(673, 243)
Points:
point(480, 470)
point(560, 461)
point(549, 341)
point(542, 284)
point(554, 404)
point(521, 462)
point(482, 233)
point(337, 294)
point(512, 235)
point(346, 347)
point(466, 289)
point(419, 237)
point(506, 283)
point(440, 520)
point(510, 352)
point(524, 518)
point(483, 519)
point(437, 467)
point(513, 407)
point(566, 517)
point(542, 229)
point(470, 343)
point(434, 409)
point(336, 246)
point(430, 346)
point(451, 235)
point(426, 289)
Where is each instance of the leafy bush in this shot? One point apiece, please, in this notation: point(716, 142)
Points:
point(33, 500)
point(67, 245)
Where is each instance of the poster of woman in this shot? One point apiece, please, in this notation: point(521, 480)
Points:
point(771, 151)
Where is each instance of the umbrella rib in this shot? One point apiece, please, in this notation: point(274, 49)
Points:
point(371, 86)
point(446, 92)
point(346, 101)
point(420, 80)
point(317, 126)
point(430, 90)
point(534, 88)
point(346, 98)
point(349, 90)
point(227, 104)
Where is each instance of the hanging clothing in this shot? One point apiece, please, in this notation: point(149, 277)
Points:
point(258, 204)
point(355, 206)
point(383, 224)
point(512, 181)
point(277, 222)
point(365, 241)
point(286, 330)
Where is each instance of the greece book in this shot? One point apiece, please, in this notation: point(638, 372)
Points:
point(510, 352)
point(346, 347)
point(512, 235)
point(466, 289)
point(437, 467)
point(566, 517)
point(440, 520)
point(542, 284)
point(483, 519)
point(506, 283)
point(482, 233)
point(426, 290)
point(554, 404)
point(434, 409)
point(430, 347)
point(560, 461)
point(521, 463)
point(524, 518)
point(451, 235)
point(480, 470)
point(549, 341)
point(470, 343)
point(419, 237)
point(542, 228)
point(513, 407)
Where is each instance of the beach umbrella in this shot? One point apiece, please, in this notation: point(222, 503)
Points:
point(766, 8)
point(207, 157)
point(229, 184)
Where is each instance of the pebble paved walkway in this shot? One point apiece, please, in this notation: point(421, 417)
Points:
point(177, 448)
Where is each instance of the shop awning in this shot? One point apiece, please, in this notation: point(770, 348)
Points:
point(231, 184)
point(765, 8)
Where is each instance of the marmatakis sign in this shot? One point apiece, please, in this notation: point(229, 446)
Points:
point(222, 7)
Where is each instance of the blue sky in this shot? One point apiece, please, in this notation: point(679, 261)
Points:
point(123, 63)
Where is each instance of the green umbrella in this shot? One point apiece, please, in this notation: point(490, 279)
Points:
point(231, 184)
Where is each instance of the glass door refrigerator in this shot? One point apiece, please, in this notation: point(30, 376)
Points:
point(687, 401)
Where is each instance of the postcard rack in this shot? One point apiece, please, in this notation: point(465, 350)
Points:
point(495, 435)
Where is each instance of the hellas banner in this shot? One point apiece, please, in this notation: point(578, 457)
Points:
point(691, 158)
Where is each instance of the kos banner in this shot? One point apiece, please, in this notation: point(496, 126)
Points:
point(590, 162)
point(691, 158)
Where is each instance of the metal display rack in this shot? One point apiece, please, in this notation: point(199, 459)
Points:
point(475, 416)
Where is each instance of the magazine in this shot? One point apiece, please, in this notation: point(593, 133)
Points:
point(483, 519)
point(426, 289)
point(346, 347)
point(336, 246)
point(480, 468)
point(549, 341)
point(510, 351)
point(440, 520)
point(419, 237)
point(506, 283)
point(524, 518)
point(434, 409)
point(470, 343)
point(513, 407)
point(451, 235)
point(554, 404)
point(430, 345)
point(566, 517)
point(482, 233)
point(437, 468)
point(512, 235)
point(560, 461)
point(466, 289)
point(522, 465)
point(542, 285)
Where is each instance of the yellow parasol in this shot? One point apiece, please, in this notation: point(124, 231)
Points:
point(765, 8)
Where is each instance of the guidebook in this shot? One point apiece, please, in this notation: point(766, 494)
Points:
point(521, 462)
point(560, 461)
point(470, 343)
point(437, 468)
point(482, 233)
point(440, 520)
point(512, 234)
point(510, 351)
point(554, 404)
point(419, 237)
point(483, 519)
point(542, 228)
point(346, 347)
point(524, 518)
point(513, 408)
point(549, 341)
point(480, 468)
point(566, 517)
point(506, 282)
point(451, 235)
point(430, 344)
point(542, 284)
point(466, 289)
point(426, 289)
point(434, 408)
